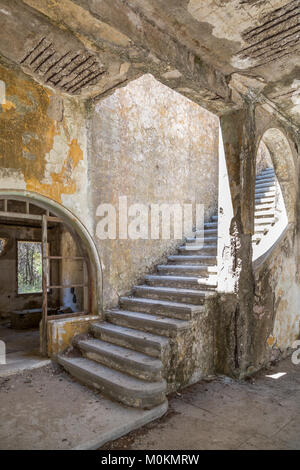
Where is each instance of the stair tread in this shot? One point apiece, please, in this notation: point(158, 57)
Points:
point(133, 333)
point(196, 257)
point(109, 375)
point(191, 279)
point(103, 347)
point(159, 319)
point(185, 266)
point(175, 290)
point(163, 303)
point(195, 247)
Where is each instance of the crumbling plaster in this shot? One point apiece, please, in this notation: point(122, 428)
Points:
point(43, 143)
point(261, 321)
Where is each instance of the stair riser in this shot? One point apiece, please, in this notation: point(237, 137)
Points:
point(186, 271)
point(155, 310)
point(264, 221)
point(128, 398)
point(206, 233)
point(203, 241)
point(265, 184)
point(180, 284)
point(188, 259)
point(201, 251)
point(263, 201)
point(133, 369)
point(136, 344)
point(141, 325)
point(263, 195)
point(187, 299)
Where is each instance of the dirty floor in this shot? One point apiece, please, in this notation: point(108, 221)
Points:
point(22, 349)
point(262, 413)
point(46, 409)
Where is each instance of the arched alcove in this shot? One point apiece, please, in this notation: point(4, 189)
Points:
point(275, 191)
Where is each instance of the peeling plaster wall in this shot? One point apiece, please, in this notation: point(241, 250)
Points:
point(277, 297)
point(43, 143)
point(277, 282)
point(154, 146)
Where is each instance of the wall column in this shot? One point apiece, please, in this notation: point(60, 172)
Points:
point(239, 139)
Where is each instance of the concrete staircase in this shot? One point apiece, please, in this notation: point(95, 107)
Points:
point(126, 356)
point(265, 200)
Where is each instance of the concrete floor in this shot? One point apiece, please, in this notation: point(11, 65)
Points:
point(22, 350)
point(263, 413)
point(46, 409)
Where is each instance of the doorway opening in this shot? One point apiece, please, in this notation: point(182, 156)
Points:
point(45, 274)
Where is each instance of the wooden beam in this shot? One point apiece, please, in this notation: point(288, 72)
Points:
point(66, 287)
point(44, 348)
point(19, 215)
point(67, 257)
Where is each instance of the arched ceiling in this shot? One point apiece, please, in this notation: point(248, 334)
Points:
point(212, 51)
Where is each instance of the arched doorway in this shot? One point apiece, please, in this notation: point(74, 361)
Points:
point(29, 222)
point(274, 191)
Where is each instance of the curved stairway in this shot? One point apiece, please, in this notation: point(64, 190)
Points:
point(124, 356)
point(265, 200)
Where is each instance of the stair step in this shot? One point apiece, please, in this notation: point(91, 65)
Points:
point(264, 194)
point(214, 218)
point(261, 208)
point(161, 307)
point(210, 225)
point(263, 185)
point(114, 384)
point(172, 294)
point(265, 179)
point(206, 233)
point(146, 343)
point(181, 281)
point(264, 200)
point(261, 229)
point(190, 259)
point(202, 271)
point(155, 324)
point(202, 240)
point(267, 171)
point(197, 249)
point(265, 189)
point(265, 214)
point(256, 238)
point(264, 220)
point(119, 358)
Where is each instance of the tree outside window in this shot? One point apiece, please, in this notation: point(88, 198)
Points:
point(30, 267)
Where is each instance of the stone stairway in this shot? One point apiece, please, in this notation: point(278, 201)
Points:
point(127, 356)
point(265, 200)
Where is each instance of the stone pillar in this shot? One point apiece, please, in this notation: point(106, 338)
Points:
point(239, 138)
